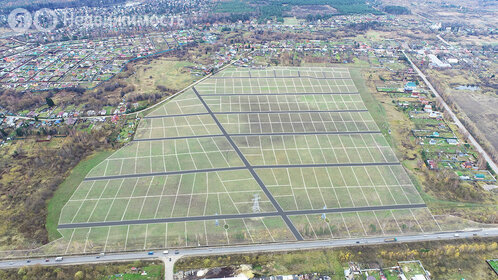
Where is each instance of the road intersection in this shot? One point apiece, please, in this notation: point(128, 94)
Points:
point(172, 256)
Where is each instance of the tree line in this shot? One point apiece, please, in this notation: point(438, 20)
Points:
point(32, 173)
point(397, 10)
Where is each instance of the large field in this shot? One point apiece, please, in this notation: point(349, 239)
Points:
point(248, 156)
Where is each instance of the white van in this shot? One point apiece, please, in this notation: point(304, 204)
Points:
point(165, 252)
point(59, 259)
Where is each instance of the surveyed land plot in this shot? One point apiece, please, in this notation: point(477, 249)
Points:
point(275, 86)
point(154, 197)
point(248, 156)
point(176, 234)
point(168, 155)
point(282, 72)
point(186, 103)
point(315, 149)
point(339, 187)
point(282, 103)
point(308, 122)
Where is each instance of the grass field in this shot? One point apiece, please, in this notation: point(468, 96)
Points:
point(228, 161)
point(67, 188)
point(493, 264)
point(160, 72)
point(152, 271)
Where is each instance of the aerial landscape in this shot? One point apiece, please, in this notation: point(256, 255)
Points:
point(249, 139)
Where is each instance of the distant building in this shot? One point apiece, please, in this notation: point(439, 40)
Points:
point(452, 141)
point(479, 176)
point(229, 278)
point(435, 62)
point(410, 86)
point(452, 60)
point(431, 164)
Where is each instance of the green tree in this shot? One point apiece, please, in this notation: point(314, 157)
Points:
point(19, 132)
point(373, 228)
point(50, 102)
point(79, 275)
point(21, 271)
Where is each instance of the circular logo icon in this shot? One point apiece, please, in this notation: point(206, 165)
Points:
point(19, 20)
point(46, 23)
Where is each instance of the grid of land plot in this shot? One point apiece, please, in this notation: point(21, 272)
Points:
point(311, 72)
point(365, 223)
point(310, 122)
point(280, 103)
point(167, 155)
point(177, 126)
point(248, 156)
point(339, 187)
point(216, 232)
point(315, 149)
point(186, 103)
point(298, 85)
point(168, 196)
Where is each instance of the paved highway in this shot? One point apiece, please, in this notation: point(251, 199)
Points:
point(253, 248)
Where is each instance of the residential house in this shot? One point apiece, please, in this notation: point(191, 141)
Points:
point(452, 141)
point(410, 86)
point(431, 164)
